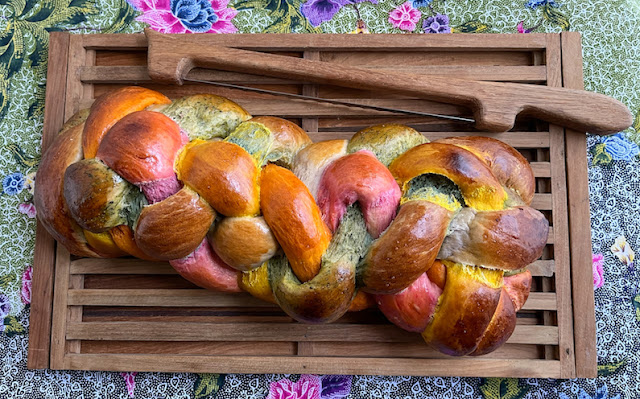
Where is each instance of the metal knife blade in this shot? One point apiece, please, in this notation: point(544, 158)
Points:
point(330, 101)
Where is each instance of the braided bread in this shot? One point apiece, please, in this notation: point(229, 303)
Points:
point(436, 235)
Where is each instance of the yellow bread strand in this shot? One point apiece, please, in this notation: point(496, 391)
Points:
point(256, 283)
point(103, 243)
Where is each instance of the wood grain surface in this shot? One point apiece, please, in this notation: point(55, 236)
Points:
point(124, 314)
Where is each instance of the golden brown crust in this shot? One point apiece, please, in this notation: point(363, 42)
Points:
point(311, 162)
point(224, 174)
point(123, 237)
point(294, 219)
point(104, 244)
point(323, 299)
point(175, 227)
point(110, 108)
point(256, 283)
point(49, 198)
point(509, 239)
point(500, 328)
point(480, 189)
point(466, 307)
point(506, 163)
point(459, 310)
point(141, 147)
point(76, 119)
point(362, 301)
point(406, 250)
point(243, 243)
point(289, 138)
point(438, 274)
point(95, 194)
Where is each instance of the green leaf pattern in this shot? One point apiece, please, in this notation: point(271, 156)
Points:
point(554, 16)
point(472, 27)
point(207, 385)
point(610, 368)
point(12, 326)
point(24, 28)
point(502, 388)
point(600, 155)
point(285, 15)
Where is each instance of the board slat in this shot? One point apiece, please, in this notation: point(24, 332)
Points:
point(276, 332)
point(410, 350)
point(162, 297)
point(204, 298)
point(138, 74)
point(269, 348)
point(468, 367)
point(542, 201)
point(560, 220)
point(584, 325)
point(44, 252)
point(355, 349)
point(301, 42)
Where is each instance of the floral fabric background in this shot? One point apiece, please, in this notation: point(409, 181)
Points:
point(611, 42)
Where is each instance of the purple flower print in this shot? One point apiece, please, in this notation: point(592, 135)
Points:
point(5, 306)
point(438, 23)
point(319, 11)
point(598, 273)
point(335, 386)
point(186, 16)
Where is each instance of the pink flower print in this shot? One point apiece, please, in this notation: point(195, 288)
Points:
point(307, 387)
point(598, 274)
point(521, 29)
point(130, 382)
point(186, 16)
point(405, 17)
point(28, 209)
point(25, 291)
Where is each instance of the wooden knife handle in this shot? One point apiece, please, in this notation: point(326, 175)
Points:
point(495, 105)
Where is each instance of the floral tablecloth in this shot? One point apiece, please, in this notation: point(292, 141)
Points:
point(611, 41)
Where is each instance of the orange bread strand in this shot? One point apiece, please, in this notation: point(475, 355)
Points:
point(224, 174)
point(110, 108)
point(295, 219)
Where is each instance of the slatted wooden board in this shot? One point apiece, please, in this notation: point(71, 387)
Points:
point(127, 314)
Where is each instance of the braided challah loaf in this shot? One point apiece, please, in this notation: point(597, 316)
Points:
point(438, 235)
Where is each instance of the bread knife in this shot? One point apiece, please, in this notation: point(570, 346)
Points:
point(495, 105)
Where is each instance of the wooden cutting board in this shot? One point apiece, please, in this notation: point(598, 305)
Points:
point(128, 314)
